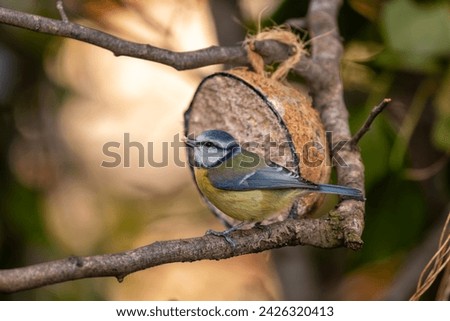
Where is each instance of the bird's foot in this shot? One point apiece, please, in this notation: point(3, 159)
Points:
point(225, 234)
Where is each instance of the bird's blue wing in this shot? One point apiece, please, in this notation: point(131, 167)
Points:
point(267, 177)
point(273, 177)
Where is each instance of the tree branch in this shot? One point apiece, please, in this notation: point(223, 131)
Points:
point(323, 76)
point(233, 55)
point(341, 227)
point(317, 232)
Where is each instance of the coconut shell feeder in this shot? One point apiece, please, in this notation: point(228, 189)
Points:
point(268, 117)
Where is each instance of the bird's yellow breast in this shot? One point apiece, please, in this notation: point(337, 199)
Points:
point(254, 205)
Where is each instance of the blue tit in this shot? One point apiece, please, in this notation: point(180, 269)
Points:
point(245, 186)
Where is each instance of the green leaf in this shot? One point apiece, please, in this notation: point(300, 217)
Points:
point(415, 35)
point(418, 30)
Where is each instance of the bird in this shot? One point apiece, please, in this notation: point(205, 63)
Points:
point(244, 185)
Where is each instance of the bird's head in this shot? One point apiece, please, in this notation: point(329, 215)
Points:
point(212, 147)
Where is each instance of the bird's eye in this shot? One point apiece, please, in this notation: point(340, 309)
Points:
point(208, 144)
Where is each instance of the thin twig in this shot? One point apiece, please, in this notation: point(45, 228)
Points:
point(405, 281)
point(437, 263)
point(62, 12)
point(443, 293)
point(366, 126)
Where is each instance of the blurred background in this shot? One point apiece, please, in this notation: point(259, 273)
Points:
point(61, 101)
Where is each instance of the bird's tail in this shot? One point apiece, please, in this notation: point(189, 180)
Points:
point(341, 190)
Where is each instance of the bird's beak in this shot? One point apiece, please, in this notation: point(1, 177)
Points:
point(190, 142)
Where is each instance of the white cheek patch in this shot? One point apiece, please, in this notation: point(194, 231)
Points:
point(211, 151)
point(209, 156)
